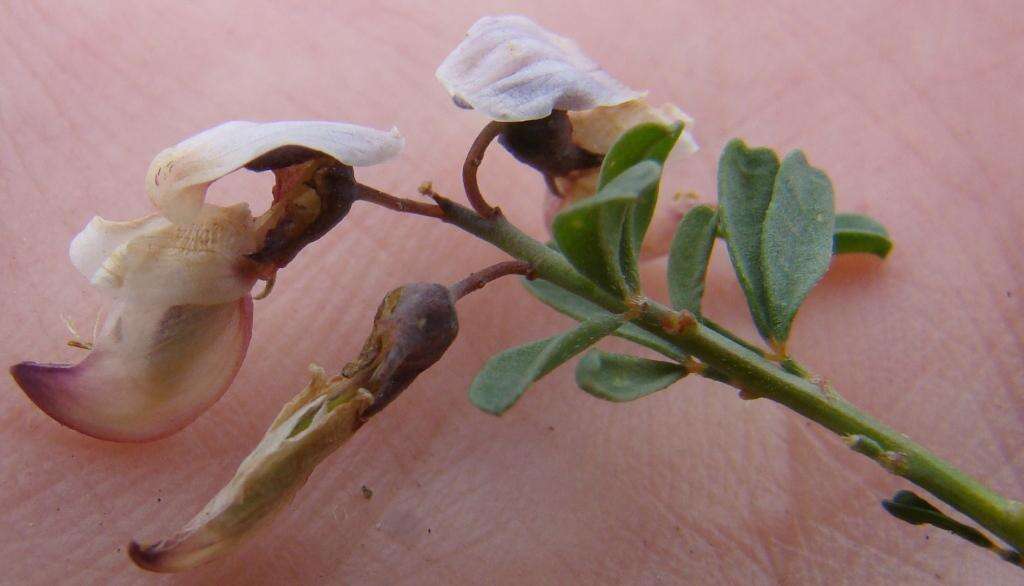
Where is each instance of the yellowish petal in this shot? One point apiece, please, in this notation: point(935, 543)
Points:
point(154, 262)
point(597, 130)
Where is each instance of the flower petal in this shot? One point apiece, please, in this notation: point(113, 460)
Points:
point(156, 263)
point(179, 176)
point(152, 371)
point(511, 69)
point(597, 130)
point(101, 238)
point(311, 426)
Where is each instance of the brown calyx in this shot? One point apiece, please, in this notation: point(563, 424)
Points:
point(312, 193)
point(414, 326)
point(546, 145)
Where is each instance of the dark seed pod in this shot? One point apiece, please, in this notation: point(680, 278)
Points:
point(414, 326)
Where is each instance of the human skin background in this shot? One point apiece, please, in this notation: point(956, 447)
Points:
point(911, 107)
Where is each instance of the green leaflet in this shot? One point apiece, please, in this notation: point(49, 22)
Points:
point(580, 309)
point(857, 233)
point(589, 232)
point(507, 375)
point(620, 378)
point(688, 258)
point(746, 178)
point(644, 142)
point(796, 246)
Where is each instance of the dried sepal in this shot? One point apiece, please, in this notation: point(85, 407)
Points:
point(152, 370)
point(179, 176)
point(309, 200)
point(311, 426)
point(511, 69)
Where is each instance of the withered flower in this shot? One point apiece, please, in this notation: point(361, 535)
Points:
point(413, 328)
point(179, 281)
point(558, 111)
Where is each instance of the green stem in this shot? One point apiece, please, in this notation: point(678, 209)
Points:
point(750, 371)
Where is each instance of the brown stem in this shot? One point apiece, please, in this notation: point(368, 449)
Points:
point(480, 278)
point(474, 157)
point(398, 204)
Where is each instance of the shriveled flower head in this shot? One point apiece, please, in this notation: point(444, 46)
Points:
point(179, 282)
point(413, 328)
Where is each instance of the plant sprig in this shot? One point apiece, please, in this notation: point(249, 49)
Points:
point(778, 222)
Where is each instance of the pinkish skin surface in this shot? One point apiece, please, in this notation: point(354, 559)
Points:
point(912, 107)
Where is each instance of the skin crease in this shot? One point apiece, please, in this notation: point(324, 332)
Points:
point(912, 108)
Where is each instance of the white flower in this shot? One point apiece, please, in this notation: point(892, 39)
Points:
point(561, 113)
point(511, 69)
point(179, 282)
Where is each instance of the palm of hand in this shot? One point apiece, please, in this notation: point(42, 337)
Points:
point(688, 484)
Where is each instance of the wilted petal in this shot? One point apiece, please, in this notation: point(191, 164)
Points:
point(597, 130)
point(179, 176)
point(511, 69)
point(101, 238)
point(152, 370)
point(156, 263)
point(310, 427)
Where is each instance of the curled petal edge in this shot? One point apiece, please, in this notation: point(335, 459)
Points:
point(152, 261)
point(179, 176)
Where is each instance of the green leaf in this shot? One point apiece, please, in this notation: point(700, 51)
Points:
point(688, 258)
point(857, 233)
point(589, 232)
point(796, 244)
point(644, 142)
point(746, 178)
point(507, 375)
point(621, 378)
point(581, 309)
